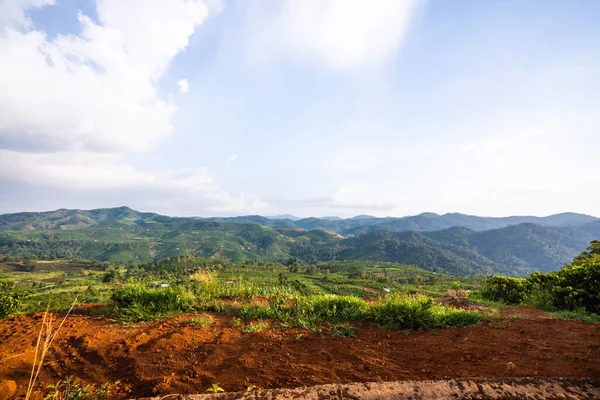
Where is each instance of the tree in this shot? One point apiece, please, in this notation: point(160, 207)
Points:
point(29, 266)
point(591, 255)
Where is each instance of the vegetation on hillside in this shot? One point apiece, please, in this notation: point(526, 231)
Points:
point(205, 284)
point(300, 295)
point(126, 237)
point(573, 287)
point(74, 219)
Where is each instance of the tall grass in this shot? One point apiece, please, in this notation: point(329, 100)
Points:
point(205, 285)
point(395, 312)
point(139, 303)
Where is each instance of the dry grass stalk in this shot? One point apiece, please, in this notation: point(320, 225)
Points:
point(44, 341)
point(204, 276)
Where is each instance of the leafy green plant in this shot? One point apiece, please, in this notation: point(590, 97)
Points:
point(418, 312)
point(256, 326)
point(137, 302)
point(344, 330)
point(458, 318)
point(509, 290)
point(235, 322)
point(215, 388)
point(573, 286)
point(202, 320)
point(403, 312)
point(10, 303)
point(579, 314)
point(71, 389)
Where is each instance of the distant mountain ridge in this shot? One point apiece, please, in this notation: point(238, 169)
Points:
point(422, 222)
point(72, 219)
point(455, 243)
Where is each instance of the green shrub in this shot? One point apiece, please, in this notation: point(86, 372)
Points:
point(540, 297)
point(72, 389)
point(10, 303)
point(459, 318)
point(579, 314)
point(503, 288)
point(255, 327)
point(579, 286)
point(334, 308)
point(202, 321)
point(418, 312)
point(254, 312)
point(573, 286)
point(404, 312)
point(344, 330)
point(140, 303)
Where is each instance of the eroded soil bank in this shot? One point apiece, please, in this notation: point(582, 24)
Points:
point(175, 356)
point(488, 389)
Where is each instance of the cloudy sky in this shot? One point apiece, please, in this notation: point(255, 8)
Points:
point(312, 107)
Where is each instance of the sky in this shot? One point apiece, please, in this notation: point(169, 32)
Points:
point(309, 107)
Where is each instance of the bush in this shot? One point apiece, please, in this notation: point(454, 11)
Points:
point(202, 321)
point(579, 286)
point(418, 312)
point(503, 288)
point(574, 286)
point(344, 330)
point(334, 308)
point(255, 327)
point(10, 303)
point(139, 303)
point(459, 318)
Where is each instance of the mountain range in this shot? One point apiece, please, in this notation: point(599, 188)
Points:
point(454, 243)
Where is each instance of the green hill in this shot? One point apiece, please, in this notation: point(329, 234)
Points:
point(123, 235)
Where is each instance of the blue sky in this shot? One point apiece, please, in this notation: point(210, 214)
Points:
point(315, 107)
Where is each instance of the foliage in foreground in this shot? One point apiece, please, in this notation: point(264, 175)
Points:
point(572, 287)
point(71, 389)
point(137, 302)
point(10, 303)
point(578, 315)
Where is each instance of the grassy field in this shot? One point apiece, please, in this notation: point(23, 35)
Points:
point(211, 284)
point(392, 295)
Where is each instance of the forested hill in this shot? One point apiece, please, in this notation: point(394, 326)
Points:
point(514, 250)
point(72, 219)
point(122, 235)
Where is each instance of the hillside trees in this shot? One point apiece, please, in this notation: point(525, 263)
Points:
point(591, 255)
point(573, 286)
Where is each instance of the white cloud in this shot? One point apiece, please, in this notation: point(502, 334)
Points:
point(184, 86)
point(12, 12)
point(89, 171)
point(96, 90)
point(343, 34)
point(73, 106)
point(231, 159)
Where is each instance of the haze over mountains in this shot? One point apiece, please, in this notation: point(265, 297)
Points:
point(455, 243)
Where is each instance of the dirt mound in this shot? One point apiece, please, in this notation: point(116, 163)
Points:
point(175, 356)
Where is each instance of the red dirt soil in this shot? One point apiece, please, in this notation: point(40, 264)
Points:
point(175, 356)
